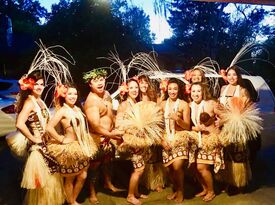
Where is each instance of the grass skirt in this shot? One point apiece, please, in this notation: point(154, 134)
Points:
point(69, 156)
point(51, 194)
point(18, 144)
point(36, 172)
point(210, 151)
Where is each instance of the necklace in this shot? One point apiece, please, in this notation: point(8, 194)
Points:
point(195, 119)
point(170, 131)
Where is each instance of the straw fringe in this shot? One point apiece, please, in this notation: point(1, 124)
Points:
point(18, 144)
point(154, 176)
point(242, 122)
point(143, 125)
point(36, 172)
point(51, 194)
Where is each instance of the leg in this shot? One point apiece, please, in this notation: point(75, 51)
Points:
point(206, 175)
point(178, 179)
point(68, 187)
point(200, 180)
point(107, 176)
point(80, 180)
point(171, 177)
point(94, 172)
point(133, 186)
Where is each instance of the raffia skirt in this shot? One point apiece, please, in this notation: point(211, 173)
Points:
point(70, 157)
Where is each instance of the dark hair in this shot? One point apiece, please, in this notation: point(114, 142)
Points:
point(206, 120)
point(203, 79)
point(125, 96)
point(180, 86)
point(238, 73)
point(151, 91)
point(23, 94)
point(59, 101)
point(205, 91)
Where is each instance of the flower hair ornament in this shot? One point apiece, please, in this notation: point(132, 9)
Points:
point(163, 85)
point(26, 83)
point(61, 91)
point(123, 89)
point(95, 73)
point(223, 74)
point(187, 89)
point(188, 75)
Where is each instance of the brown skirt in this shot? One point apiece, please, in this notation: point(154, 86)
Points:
point(69, 156)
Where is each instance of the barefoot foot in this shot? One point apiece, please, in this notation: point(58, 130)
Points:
point(171, 196)
point(203, 193)
point(93, 200)
point(179, 197)
point(133, 200)
point(209, 196)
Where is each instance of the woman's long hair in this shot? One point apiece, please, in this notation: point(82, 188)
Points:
point(238, 73)
point(125, 96)
point(23, 94)
point(151, 91)
point(180, 86)
point(204, 89)
point(59, 101)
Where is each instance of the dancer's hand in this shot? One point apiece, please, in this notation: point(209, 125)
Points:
point(173, 116)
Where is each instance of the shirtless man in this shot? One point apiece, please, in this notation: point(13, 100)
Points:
point(98, 109)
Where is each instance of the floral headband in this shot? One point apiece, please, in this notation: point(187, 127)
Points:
point(60, 90)
point(26, 83)
point(93, 74)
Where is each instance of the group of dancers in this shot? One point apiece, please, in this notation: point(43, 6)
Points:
point(182, 126)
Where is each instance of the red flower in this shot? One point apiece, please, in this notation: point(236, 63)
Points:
point(187, 89)
point(223, 74)
point(163, 85)
point(123, 88)
point(188, 75)
point(26, 83)
point(60, 90)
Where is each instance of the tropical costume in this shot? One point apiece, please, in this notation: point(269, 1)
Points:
point(74, 156)
point(143, 126)
point(39, 177)
point(177, 139)
point(205, 148)
point(241, 123)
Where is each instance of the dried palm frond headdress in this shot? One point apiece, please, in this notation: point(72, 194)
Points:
point(53, 66)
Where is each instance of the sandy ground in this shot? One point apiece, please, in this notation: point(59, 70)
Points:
point(261, 190)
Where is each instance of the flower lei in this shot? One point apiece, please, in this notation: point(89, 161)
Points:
point(93, 74)
point(26, 83)
point(163, 85)
point(60, 90)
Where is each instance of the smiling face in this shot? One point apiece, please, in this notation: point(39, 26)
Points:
point(232, 77)
point(71, 96)
point(143, 85)
point(173, 90)
point(133, 89)
point(97, 85)
point(196, 93)
point(197, 76)
point(38, 88)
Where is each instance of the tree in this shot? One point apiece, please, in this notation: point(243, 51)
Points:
point(205, 29)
